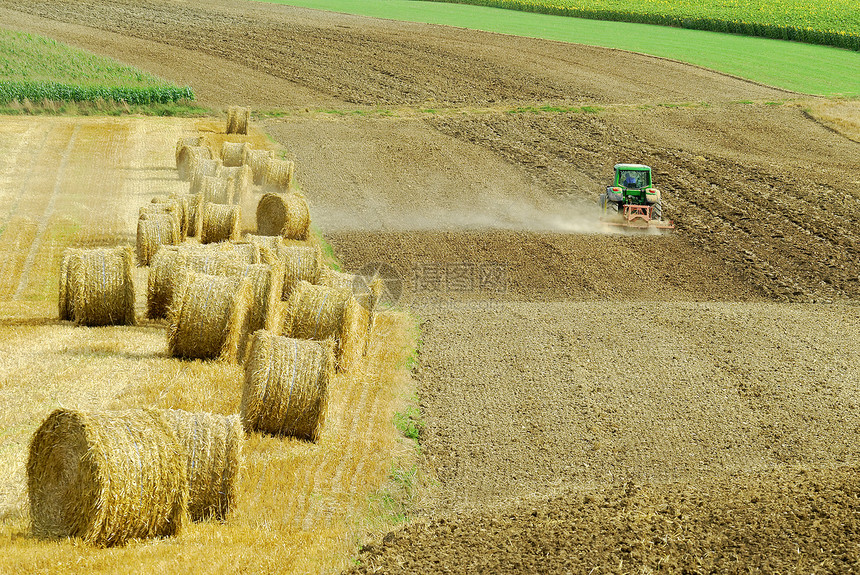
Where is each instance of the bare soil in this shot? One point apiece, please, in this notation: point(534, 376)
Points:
point(593, 402)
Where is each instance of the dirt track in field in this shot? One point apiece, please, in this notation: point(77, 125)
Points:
point(690, 376)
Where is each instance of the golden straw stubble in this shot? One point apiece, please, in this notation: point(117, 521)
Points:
point(106, 477)
point(286, 385)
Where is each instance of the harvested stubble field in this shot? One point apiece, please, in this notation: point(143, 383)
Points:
point(606, 403)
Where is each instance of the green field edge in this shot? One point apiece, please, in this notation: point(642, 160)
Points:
point(805, 35)
point(793, 66)
point(40, 75)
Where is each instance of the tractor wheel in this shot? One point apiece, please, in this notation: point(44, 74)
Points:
point(601, 202)
point(657, 210)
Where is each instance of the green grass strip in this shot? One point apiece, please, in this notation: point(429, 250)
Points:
point(805, 68)
point(36, 68)
point(834, 23)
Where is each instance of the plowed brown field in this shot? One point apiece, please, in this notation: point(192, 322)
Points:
point(594, 403)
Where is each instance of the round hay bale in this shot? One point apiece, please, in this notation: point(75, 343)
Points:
point(194, 214)
point(286, 386)
point(239, 181)
point(154, 231)
point(209, 317)
point(284, 215)
point(100, 289)
point(279, 175)
point(216, 190)
point(65, 301)
point(191, 141)
point(204, 168)
point(170, 264)
point(212, 446)
point(266, 285)
point(177, 203)
point(257, 160)
point(238, 119)
point(270, 243)
point(232, 153)
point(187, 159)
point(321, 312)
point(172, 208)
point(300, 261)
point(367, 292)
point(106, 477)
point(220, 223)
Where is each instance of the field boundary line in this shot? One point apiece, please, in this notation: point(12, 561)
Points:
point(46, 216)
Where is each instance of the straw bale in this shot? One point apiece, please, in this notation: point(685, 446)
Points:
point(178, 204)
point(301, 263)
point(278, 175)
point(270, 243)
point(257, 160)
point(237, 120)
point(154, 231)
point(220, 223)
point(209, 317)
point(266, 286)
point(171, 263)
point(212, 448)
point(239, 181)
point(284, 215)
point(204, 168)
point(183, 201)
point(188, 158)
point(106, 477)
point(321, 312)
point(286, 385)
point(216, 190)
point(188, 141)
point(300, 260)
point(232, 153)
point(65, 301)
point(194, 213)
point(99, 287)
point(367, 291)
point(166, 206)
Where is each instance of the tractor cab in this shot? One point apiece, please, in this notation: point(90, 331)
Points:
point(632, 185)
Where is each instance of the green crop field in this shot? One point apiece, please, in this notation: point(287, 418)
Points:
point(35, 68)
point(805, 68)
point(829, 22)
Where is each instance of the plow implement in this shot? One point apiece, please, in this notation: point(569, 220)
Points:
point(637, 218)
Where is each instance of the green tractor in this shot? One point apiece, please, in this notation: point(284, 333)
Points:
point(632, 201)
